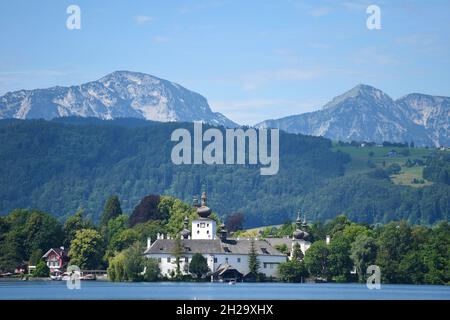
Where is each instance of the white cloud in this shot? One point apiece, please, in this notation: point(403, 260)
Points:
point(319, 12)
point(261, 78)
point(143, 19)
point(160, 39)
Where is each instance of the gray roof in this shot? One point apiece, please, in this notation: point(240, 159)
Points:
point(229, 246)
point(280, 241)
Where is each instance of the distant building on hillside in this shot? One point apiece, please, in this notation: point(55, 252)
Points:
point(227, 258)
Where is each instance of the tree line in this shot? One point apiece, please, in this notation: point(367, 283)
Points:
point(405, 253)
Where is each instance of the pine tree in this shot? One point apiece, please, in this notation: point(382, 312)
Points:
point(253, 262)
point(177, 253)
point(297, 254)
point(111, 211)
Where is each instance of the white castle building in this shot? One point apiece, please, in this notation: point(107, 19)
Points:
point(227, 258)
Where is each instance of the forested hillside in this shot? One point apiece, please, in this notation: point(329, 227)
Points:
point(63, 165)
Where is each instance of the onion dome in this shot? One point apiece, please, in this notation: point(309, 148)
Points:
point(299, 234)
point(223, 232)
point(305, 235)
point(204, 211)
point(185, 233)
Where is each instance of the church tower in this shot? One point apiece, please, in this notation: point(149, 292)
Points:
point(203, 228)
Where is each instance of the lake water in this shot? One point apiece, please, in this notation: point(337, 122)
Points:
point(18, 290)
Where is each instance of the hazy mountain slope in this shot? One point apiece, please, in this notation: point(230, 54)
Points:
point(367, 114)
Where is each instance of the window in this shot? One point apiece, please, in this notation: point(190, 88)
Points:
point(186, 259)
point(226, 260)
point(198, 225)
point(159, 260)
point(215, 260)
point(168, 259)
point(264, 250)
point(239, 260)
point(226, 249)
point(265, 265)
point(207, 231)
point(198, 231)
point(202, 225)
point(207, 224)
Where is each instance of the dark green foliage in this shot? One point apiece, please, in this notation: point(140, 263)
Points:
point(292, 271)
point(363, 254)
point(62, 165)
point(198, 266)
point(23, 233)
point(35, 257)
point(131, 265)
point(253, 261)
point(42, 270)
point(438, 168)
point(73, 224)
point(316, 259)
point(152, 271)
point(112, 210)
point(364, 199)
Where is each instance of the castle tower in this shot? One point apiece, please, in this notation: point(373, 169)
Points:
point(203, 228)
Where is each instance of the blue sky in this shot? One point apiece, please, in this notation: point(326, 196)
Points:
point(252, 60)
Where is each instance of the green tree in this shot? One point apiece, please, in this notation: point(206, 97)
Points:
point(339, 261)
point(115, 226)
point(112, 210)
point(316, 259)
point(363, 254)
point(116, 268)
point(122, 240)
point(35, 257)
point(42, 270)
point(177, 252)
point(297, 253)
point(198, 266)
point(42, 231)
point(86, 250)
point(73, 224)
point(394, 242)
point(283, 248)
point(151, 270)
point(253, 261)
point(292, 271)
point(134, 262)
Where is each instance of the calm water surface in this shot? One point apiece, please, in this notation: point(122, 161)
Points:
point(169, 290)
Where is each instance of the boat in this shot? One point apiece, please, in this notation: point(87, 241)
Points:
point(232, 282)
point(56, 276)
point(88, 277)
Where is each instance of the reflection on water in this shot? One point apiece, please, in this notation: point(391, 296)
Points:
point(192, 291)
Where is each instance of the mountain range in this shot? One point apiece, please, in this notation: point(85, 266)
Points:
point(368, 114)
point(364, 113)
point(121, 94)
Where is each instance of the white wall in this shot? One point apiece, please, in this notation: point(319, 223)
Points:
point(203, 229)
point(268, 264)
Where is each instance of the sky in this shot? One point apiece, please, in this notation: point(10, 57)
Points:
point(253, 60)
